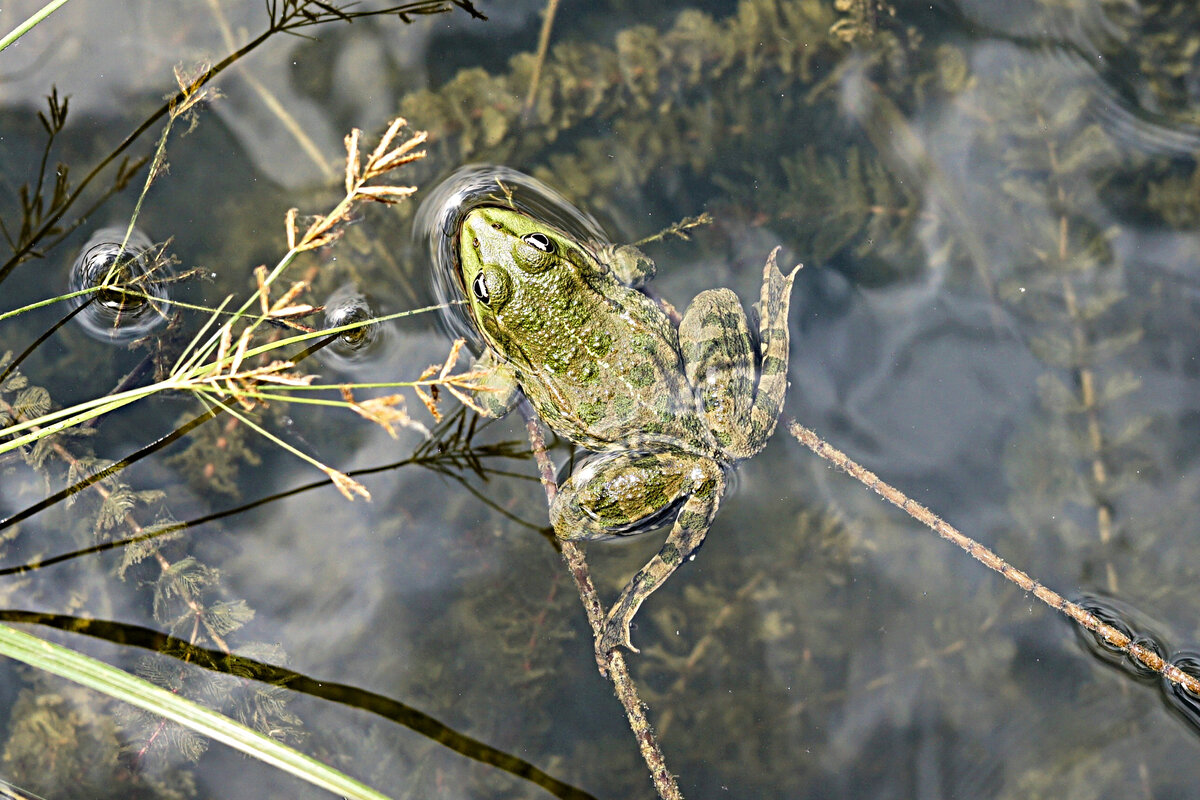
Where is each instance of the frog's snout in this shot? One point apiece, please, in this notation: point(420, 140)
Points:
point(480, 222)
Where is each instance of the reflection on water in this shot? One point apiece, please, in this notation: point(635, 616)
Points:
point(997, 207)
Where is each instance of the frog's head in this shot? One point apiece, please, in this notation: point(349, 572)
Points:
point(515, 272)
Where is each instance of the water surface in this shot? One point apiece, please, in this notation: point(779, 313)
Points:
point(998, 217)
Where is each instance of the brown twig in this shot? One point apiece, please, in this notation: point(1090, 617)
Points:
point(540, 58)
point(613, 666)
point(989, 559)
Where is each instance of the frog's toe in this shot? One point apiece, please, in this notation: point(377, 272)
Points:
point(616, 634)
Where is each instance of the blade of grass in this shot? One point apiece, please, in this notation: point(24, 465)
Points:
point(43, 303)
point(62, 419)
point(47, 425)
point(111, 469)
point(118, 684)
point(184, 357)
point(346, 485)
point(302, 337)
point(26, 26)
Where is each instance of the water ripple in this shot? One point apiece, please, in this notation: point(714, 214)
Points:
point(133, 284)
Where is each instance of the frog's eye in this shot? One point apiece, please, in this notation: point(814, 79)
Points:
point(480, 290)
point(540, 241)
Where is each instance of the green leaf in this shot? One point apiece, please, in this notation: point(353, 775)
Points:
point(118, 684)
point(32, 402)
point(28, 25)
point(1089, 149)
point(1118, 386)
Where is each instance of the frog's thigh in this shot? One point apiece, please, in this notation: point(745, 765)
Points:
point(621, 493)
point(719, 354)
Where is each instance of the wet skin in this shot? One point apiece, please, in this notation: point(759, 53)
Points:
point(666, 411)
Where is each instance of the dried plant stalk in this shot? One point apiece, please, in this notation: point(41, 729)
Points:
point(1143, 655)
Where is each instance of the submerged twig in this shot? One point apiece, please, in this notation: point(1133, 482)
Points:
point(1114, 637)
point(613, 663)
point(540, 58)
point(450, 454)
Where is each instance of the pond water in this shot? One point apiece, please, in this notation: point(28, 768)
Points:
point(998, 215)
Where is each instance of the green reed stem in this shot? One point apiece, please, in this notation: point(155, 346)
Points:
point(304, 337)
point(49, 424)
point(118, 684)
point(43, 303)
point(260, 430)
point(183, 363)
point(185, 379)
point(28, 25)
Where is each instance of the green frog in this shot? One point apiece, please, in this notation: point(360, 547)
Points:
point(666, 410)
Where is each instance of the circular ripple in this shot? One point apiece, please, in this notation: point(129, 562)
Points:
point(352, 348)
point(1178, 698)
point(132, 286)
point(441, 214)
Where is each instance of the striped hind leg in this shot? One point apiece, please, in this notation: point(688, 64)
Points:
point(687, 534)
point(625, 493)
point(772, 312)
point(740, 382)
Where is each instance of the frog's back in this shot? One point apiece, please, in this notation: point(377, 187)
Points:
point(611, 375)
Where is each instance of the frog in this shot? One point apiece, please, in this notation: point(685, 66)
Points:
point(666, 406)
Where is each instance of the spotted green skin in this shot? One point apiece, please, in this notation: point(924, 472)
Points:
point(667, 411)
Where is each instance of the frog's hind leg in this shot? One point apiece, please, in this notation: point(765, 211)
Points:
point(615, 494)
point(722, 361)
point(687, 534)
point(772, 311)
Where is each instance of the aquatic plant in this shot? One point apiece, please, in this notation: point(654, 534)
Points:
point(836, 164)
point(216, 362)
point(40, 226)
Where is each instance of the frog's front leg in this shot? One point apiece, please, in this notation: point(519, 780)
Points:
point(622, 493)
point(498, 391)
point(628, 264)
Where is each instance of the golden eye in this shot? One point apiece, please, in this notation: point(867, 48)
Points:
point(540, 241)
